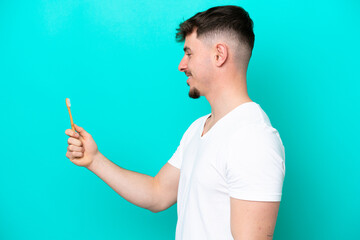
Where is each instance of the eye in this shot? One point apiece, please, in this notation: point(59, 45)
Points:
point(188, 54)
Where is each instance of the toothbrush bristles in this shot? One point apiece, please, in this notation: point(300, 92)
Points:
point(68, 102)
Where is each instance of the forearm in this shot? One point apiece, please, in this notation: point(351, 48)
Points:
point(137, 188)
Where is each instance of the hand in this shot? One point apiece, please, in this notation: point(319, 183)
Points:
point(82, 149)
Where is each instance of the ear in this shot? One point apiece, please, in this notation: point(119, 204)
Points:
point(221, 54)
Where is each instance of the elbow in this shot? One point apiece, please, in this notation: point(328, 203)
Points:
point(155, 209)
point(159, 207)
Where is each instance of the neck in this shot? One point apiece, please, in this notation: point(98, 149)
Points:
point(224, 99)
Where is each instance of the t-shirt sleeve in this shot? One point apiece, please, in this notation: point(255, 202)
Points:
point(255, 167)
point(176, 158)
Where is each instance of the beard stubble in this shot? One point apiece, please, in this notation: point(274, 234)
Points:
point(194, 93)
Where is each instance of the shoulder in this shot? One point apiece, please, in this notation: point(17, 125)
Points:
point(254, 148)
point(253, 125)
point(255, 135)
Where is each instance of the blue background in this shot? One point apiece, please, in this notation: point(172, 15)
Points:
point(117, 62)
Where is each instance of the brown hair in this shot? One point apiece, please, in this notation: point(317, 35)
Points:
point(220, 19)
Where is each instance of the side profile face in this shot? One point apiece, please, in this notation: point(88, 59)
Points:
point(197, 65)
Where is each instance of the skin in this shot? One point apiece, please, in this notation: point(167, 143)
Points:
point(214, 72)
point(154, 193)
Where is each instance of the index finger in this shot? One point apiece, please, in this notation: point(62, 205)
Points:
point(71, 133)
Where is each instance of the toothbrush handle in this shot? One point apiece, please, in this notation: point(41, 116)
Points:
point(71, 120)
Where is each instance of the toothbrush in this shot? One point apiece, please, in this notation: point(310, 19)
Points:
point(71, 119)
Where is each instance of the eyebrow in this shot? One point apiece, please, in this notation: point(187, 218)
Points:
point(186, 49)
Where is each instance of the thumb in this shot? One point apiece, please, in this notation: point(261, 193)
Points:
point(81, 131)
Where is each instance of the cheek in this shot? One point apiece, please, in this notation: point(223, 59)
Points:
point(205, 68)
point(198, 64)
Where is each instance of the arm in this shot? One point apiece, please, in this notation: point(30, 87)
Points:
point(253, 220)
point(255, 172)
point(154, 193)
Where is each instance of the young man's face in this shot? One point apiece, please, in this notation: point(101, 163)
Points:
point(196, 64)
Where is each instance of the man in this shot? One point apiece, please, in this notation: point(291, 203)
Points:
point(228, 171)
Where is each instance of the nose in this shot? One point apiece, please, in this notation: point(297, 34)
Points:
point(183, 64)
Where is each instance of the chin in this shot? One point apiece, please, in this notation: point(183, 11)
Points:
point(194, 93)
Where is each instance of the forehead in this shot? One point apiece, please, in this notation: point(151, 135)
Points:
point(192, 42)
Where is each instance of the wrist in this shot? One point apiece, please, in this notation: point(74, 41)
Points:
point(96, 159)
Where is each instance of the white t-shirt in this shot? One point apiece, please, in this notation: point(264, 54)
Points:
point(241, 156)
